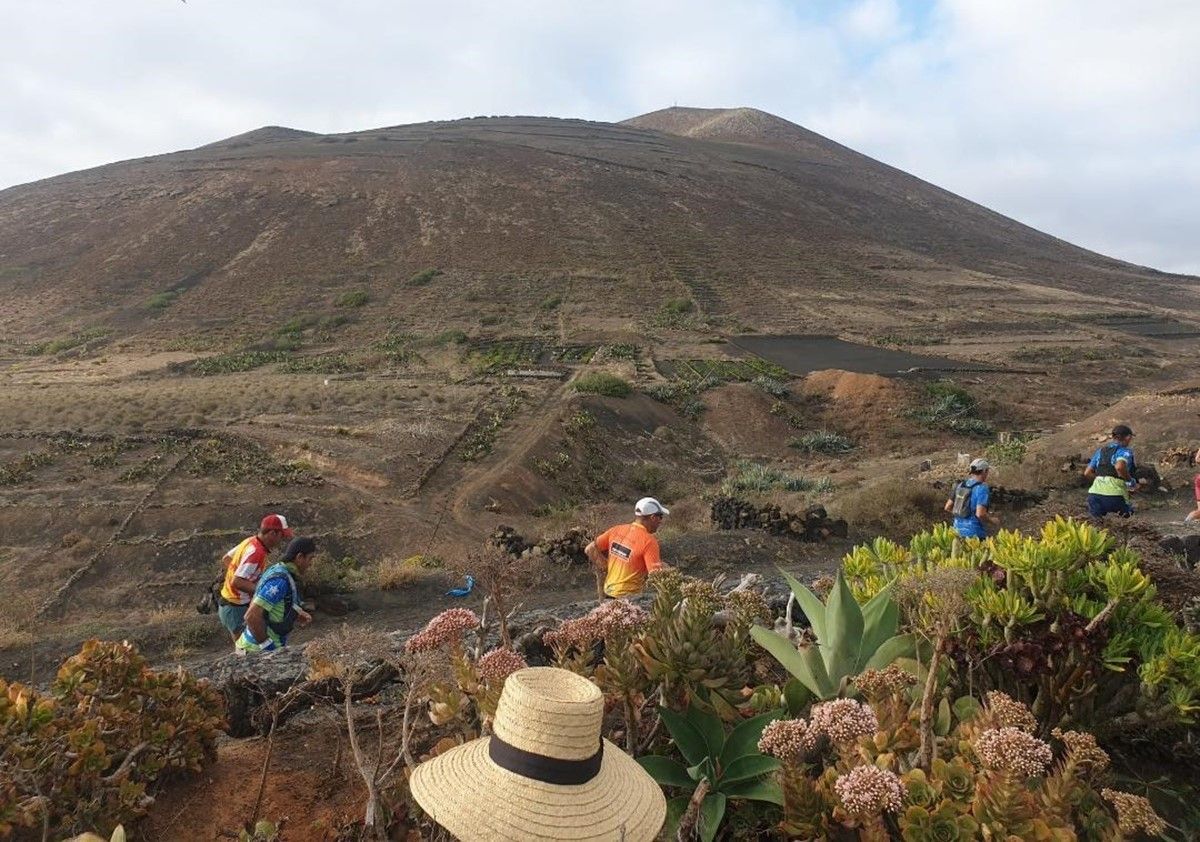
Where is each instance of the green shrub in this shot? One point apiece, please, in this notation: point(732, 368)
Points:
point(678, 306)
point(423, 277)
point(357, 298)
point(489, 321)
point(88, 753)
point(951, 407)
point(551, 302)
point(772, 386)
point(162, 300)
point(240, 361)
point(66, 343)
point(603, 383)
point(1008, 452)
point(822, 441)
point(647, 477)
point(756, 477)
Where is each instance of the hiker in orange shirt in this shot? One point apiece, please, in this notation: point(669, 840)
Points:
point(626, 553)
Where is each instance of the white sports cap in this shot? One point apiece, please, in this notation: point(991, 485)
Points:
point(650, 506)
point(978, 466)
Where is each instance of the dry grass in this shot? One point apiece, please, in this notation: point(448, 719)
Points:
point(12, 636)
point(395, 573)
point(894, 507)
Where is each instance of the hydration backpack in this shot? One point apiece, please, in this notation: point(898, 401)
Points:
point(1106, 468)
point(962, 507)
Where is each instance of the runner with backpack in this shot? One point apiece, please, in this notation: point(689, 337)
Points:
point(969, 501)
point(1113, 474)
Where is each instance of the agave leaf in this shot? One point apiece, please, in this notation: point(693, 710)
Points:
point(843, 629)
point(881, 617)
point(748, 767)
point(690, 741)
point(712, 811)
point(760, 790)
point(743, 739)
point(806, 665)
point(900, 646)
point(810, 604)
point(666, 771)
point(796, 696)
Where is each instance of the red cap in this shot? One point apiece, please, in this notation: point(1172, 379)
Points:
point(272, 522)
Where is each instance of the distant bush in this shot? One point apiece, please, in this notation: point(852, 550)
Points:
point(66, 343)
point(357, 298)
point(394, 573)
point(756, 477)
point(647, 478)
point(551, 302)
point(603, 383)
point(488, 321)
point(772, 386)
point(162, 300)
point(241, 361)
point(678, 306)
point(1011, 451)
point(451, 337)
point(822, 441)
point(951, 407)
point(423, 277)
point(89, 753)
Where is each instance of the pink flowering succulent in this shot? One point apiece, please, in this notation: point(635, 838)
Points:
point(789, 740)
point(499, 664)
point(844, 720)
point(446, 628)
point(1010, 749)
point(613, 616)
point(867, 791)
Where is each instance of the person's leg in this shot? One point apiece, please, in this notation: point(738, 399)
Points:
point(233, 618)
point(1096, 507)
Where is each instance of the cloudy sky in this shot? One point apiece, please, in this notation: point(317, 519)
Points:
point(1079, 117)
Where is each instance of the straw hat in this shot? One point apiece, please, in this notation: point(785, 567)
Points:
point(545, 773)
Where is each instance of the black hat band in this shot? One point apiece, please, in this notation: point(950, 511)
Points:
point(548, 770)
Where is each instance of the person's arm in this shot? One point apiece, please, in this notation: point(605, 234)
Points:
point(983, 504)
point(981, 512)
point(949, 507)
point(256, 622)
point(244, 585)
point(597, 558)
point(249, 568)
point(651, 558)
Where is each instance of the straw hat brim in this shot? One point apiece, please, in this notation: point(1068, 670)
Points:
point(473, 798)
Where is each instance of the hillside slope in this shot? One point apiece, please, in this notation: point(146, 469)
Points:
point(755, 219)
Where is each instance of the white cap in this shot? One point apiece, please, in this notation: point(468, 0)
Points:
point(650, 506)
point(978, 466)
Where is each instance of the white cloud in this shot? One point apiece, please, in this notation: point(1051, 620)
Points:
point(1078, 116)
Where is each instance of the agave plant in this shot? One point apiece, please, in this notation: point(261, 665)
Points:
point(730, 762)
point(850, 638)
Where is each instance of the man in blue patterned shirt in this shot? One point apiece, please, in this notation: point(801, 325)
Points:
point(277, 607)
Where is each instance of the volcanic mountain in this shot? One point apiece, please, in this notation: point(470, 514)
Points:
point(754, 219)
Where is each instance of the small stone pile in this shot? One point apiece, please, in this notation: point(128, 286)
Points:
point(566, 549)
point(509, 540)
point(813, 524)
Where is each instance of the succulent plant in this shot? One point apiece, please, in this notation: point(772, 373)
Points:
point(850, 639)
point(731, 763)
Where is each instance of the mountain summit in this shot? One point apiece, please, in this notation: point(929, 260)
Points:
point(758, 222)
point(739, 125)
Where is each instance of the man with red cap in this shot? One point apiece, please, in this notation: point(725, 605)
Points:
point(244, 565)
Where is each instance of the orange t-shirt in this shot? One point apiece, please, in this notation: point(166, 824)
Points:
point(632, 553)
